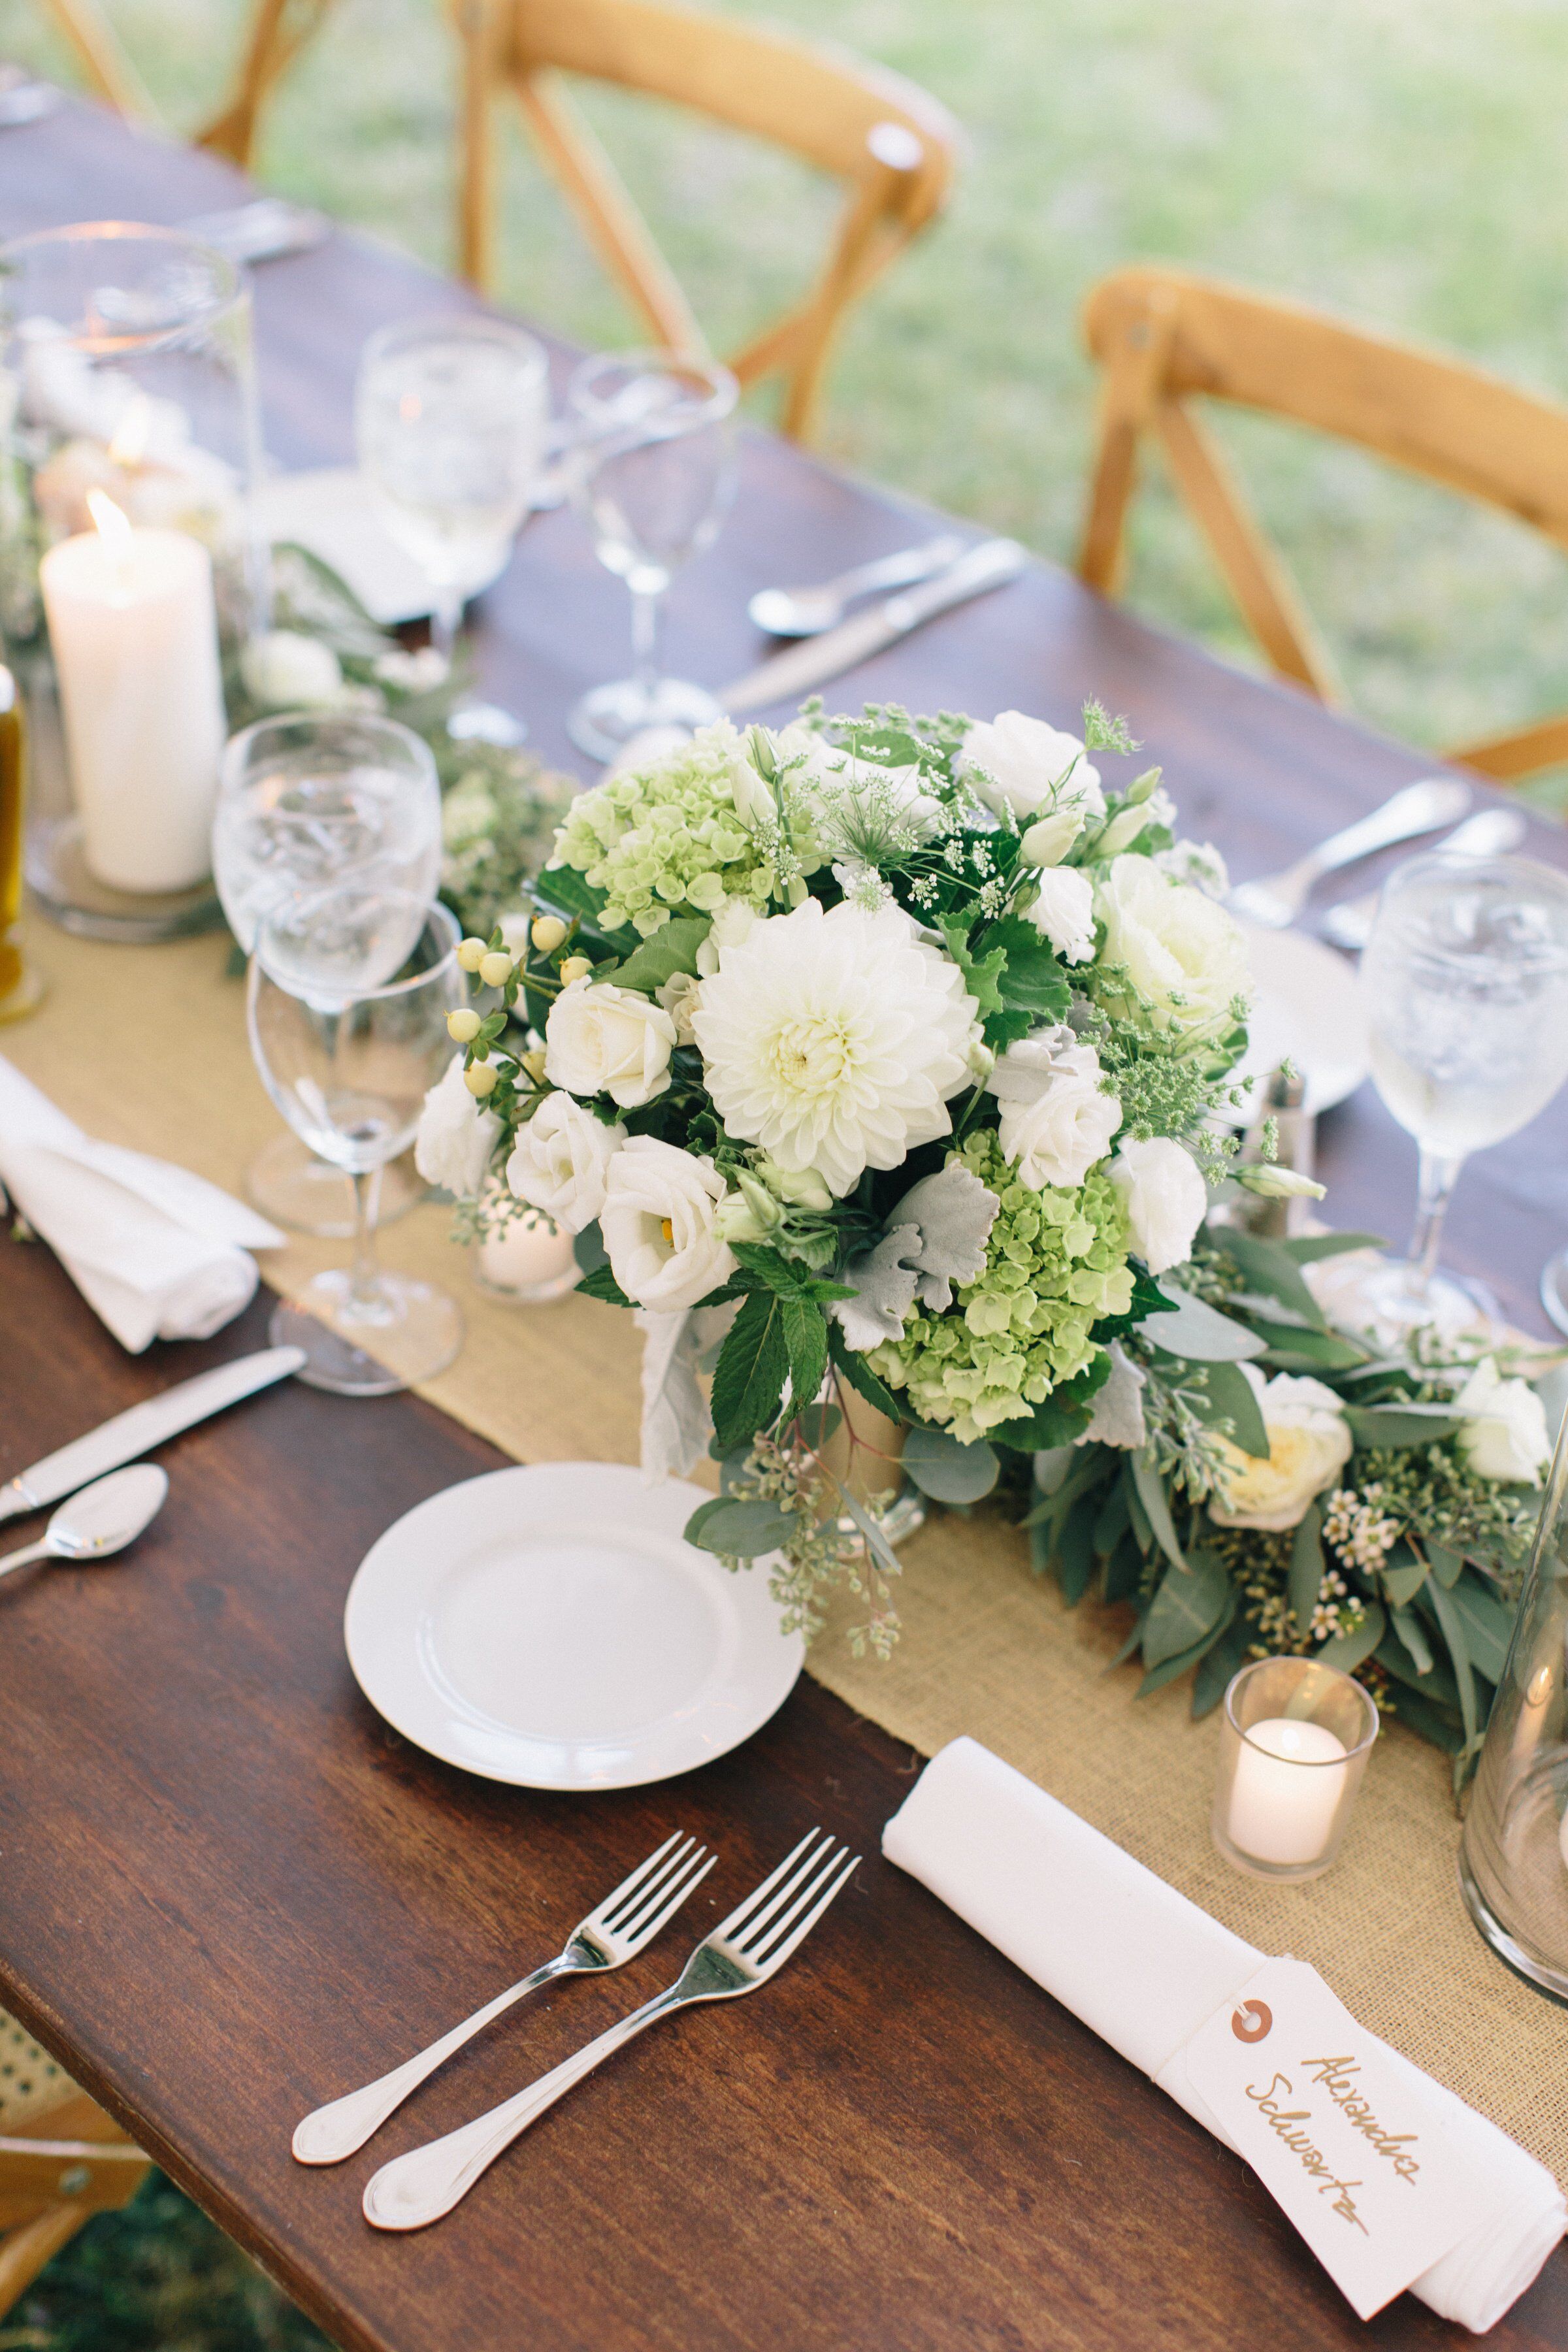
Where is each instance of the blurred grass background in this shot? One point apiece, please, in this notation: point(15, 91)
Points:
point(1397, 160)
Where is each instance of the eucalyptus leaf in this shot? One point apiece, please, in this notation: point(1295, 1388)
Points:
point(1348, 1650)
point(745, 1530)
point(1186, 1608)
point(1227, 1395)
point(1488, 1625)
point(1448, 1566)
point(1410, 1631)
point(1199, 1333)
point(876, 1541)
point(1307, 1567)
point(946, 1470)
point(1270, 1268)
point(1402, 1583)
point(1052, 1464)
point(1216, 1666)
point(1169, 1669)
point(1392, 1426)
point(1308, 1248)
point(1156, 1509)
point(1314, 1351)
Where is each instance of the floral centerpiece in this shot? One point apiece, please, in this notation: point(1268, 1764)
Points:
point(876, 1055)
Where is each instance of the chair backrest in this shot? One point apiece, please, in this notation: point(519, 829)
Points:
point(1166, 338)
point(892, 145)
point(277, 31)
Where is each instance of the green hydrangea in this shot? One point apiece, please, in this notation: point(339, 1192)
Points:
point(1056, 1262)
point(670, 838)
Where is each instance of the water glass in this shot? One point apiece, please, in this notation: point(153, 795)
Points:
point(450, 418)
point(348, 1057)
point(653, 470)
point(1465, 981)
point(306, 800)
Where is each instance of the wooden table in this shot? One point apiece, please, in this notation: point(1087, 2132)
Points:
point(228, 1890)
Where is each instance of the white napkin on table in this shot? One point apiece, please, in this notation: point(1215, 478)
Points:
point(1144, 1968)
point(158, 1252)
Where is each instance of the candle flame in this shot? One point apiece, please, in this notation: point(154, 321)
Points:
point(113, 524)
point(131, 434)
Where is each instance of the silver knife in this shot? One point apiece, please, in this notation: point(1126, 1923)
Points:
point(788, 676)
point(137, 1431)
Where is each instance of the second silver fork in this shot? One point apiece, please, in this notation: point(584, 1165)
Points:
point(624, 1923)
point(742, 1952)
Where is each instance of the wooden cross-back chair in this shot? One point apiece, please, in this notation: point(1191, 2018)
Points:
point(893, 147)
point(276, 32)
point(62, 2160)
point(1167, 340)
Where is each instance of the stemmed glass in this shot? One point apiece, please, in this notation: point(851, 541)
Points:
point(450, 418)
point(348, 1052)
point(1465, 981)
point(654, 472)
point(307, 800)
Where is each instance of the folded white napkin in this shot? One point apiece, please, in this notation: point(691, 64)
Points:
point(1144, 1968)
point(158, 1252)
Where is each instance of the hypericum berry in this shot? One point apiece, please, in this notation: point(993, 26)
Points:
point(463, 1027)
point(471, 953)
point(480, 1079)
point(548, 932)
point(495, 968)
point(575, 968)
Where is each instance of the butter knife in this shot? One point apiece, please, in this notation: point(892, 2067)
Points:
point(788, 676)
point(143, 1426)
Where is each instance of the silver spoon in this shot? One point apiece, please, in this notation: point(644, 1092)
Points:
point(807, 612)
point(102, 1519)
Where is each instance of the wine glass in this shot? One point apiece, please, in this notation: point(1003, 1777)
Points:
point(307, 800)
point(654, 471)
point(1465, 981)
point(348, 1052)
point(450, 418)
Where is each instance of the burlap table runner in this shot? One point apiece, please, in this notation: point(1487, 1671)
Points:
point(146, 1047)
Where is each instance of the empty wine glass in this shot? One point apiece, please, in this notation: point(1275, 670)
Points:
point(654, 471)
point(307, 800)
point(348, 1052)
point(450, 418)
point(1466, 981)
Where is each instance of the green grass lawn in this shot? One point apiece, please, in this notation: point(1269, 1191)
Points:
point(1398, 160)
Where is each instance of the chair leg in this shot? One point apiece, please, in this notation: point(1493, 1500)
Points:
point(24, 2252)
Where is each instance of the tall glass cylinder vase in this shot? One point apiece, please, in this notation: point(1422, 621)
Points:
point(1513, 1863)
point(129, 575)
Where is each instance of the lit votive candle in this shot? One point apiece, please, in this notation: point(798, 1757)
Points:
point(528, 1262)
point(1290, 1779)
point(133, 630)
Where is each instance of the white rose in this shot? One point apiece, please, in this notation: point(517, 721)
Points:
point(658, 1224)
point(1056, 1121)
point(1182, 953)
point(560, 1159)
point(1064, 910)
point(1505, 1433)
point(456, 1137)
point(1023, 768)
point(601, 1039)
point(1165, 1199)
point(287, 671)
point(1309, 1444)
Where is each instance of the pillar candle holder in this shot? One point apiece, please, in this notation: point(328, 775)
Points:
point(1294, 1740)
point(130, 571)
point(526, 1260)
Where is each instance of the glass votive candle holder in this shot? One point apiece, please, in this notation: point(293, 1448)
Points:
point(525, 1259)
point(1294, 1740)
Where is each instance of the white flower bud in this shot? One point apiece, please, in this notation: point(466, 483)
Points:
point(463, 1027)
point(1275, 1183)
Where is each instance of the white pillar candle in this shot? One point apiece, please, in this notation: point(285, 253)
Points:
point(529, 1254)
point(1290, 1779)
point(133, 627)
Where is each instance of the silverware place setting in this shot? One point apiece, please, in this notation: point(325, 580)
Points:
point(807, 612)
point(745, 1951)
point(1274, 900)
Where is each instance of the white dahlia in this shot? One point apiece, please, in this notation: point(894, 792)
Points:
point(835, 1040)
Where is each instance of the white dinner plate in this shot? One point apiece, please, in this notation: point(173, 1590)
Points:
point(549, 1625)
point(1308, 1006)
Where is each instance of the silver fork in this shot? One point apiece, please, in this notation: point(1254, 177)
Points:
point(742, 1953)
point(624, 1925)
point(1275, 899)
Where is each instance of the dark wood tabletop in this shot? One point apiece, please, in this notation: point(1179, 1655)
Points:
point(228, 1891)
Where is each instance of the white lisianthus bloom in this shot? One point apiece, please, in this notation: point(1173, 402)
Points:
point(1064, 910)
point(604, 1040)
point(1165, 1199)
point(1023, 768)
point(456, 1137)
point(835, 1039)
point(559, 1161)
point(1197, 862)
point(1183, 954)
point(1056, 1120)
point(679, 996)
point(287, 671)
point(1310, 1442)
point(1127, 825)
point(659, 1226)
point(1504, 1433)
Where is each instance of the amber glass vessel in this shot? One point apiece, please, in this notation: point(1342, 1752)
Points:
point(20, 987)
